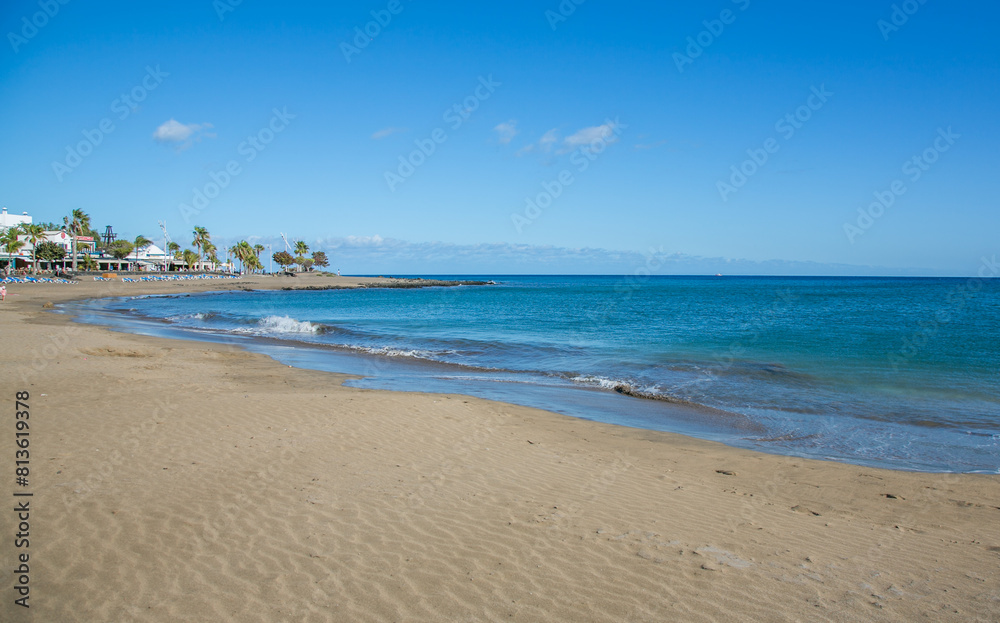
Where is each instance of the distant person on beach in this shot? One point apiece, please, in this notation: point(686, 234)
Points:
point(3, 293)
point(338, 272)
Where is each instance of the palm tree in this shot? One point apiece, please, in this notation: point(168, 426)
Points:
point(191, 258)
point(35, 234)
point(119, 249)
point(301, 248)
point(174, 250)
point(254, 261)
point(77, 222)
point(257, 250)
point(233, 251)
point(201, 238)
point(209, 251)
point(11, 244)
point(140, 243)
point(246, 255)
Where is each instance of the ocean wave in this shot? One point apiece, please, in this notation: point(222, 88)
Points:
point(646, 392)
point(388, 351)
point(622, 386)
point(195, 316)
point(282, 324)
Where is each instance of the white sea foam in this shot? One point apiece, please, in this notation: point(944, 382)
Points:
point(387, 351)
point(197, 316)
point(599, 381)
point(280, 324)
point(607, 383)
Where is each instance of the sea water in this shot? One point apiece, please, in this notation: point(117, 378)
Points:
point(889, 372)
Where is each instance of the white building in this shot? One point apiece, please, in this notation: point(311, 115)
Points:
point(61, 238)
point(85, 244)
point(13, 220)
point(150, 258)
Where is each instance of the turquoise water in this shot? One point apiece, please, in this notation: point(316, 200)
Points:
point(898, 373)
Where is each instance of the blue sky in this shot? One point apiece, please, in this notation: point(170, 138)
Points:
point(628, 126)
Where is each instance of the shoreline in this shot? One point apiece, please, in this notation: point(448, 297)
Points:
point(174, 479)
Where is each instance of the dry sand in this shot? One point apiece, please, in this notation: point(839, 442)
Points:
point(178, 481)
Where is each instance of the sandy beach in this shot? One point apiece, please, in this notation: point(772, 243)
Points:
point(181, 481)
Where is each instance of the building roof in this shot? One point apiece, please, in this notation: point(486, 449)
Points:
point(8, 220)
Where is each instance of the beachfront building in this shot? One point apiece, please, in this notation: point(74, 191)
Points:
point(13, 220)
point(84, 245)
point(151, 258)
point(22, 258)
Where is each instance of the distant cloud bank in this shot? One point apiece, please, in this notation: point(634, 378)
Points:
point(378, 255)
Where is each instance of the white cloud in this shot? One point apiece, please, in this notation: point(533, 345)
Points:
point(544, 144)
point(586, 136)
point(385, 132)
point(174, 131)
point(548, 139)
point(506, 131)
point(581, 139)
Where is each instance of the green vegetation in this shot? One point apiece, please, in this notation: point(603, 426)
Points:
point(283, 259)
point(77, 224)
point(319, 259)
point(35, 234)
point(10, 243)
point(201, 240)
point(119, 249)
point(246, 255)
point(50, 251)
